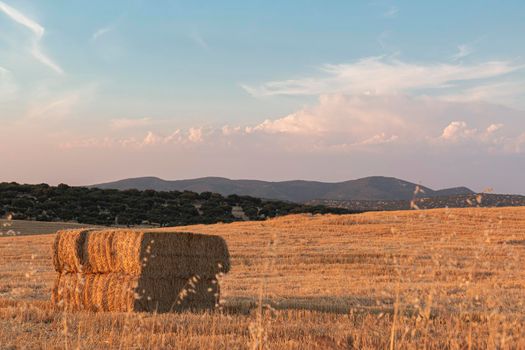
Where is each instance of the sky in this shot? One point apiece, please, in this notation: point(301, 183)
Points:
point(431, 92)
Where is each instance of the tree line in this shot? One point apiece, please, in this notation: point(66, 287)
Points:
point(108, 207)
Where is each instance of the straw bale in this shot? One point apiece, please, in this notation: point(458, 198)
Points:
point(136, 252)
point(67, 252)
point(124, 293)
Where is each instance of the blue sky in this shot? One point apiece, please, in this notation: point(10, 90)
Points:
point(432, 92)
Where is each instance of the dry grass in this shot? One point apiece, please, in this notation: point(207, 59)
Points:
point(421, 279)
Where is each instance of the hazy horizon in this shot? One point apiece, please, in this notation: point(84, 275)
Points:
point(431, 93)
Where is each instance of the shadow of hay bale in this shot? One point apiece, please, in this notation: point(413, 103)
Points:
point(357, 305)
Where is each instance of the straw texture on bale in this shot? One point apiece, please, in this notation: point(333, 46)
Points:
point(67, 255)
point(123, 293)
point(135, 252)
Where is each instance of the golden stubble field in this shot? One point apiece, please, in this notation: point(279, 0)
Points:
point(436, 279)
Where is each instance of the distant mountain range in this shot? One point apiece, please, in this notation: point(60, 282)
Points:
point(368, 188)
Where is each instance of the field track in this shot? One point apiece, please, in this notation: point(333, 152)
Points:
point(444, 278)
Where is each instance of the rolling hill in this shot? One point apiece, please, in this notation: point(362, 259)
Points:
point(368, 188)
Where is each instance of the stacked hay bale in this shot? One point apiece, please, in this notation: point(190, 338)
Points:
point(131, 270)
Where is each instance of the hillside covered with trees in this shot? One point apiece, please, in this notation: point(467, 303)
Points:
point(133, 207)
point(486, 200)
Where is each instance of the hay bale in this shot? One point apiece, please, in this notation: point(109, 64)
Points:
point(134, 252)
point(131, 270)
point(124, 293)
point(67, 252)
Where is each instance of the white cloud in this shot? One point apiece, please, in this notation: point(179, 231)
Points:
point(174, 137)
point(101, 31)
point(22, 19)
point(493, 128)
point(384, 76)
point(37, 30)
point(150, 139)
point(189, 137)
point(231, 130)
point(352, 118)
point(301, 123)
point(505, 92)
point(340, 121)
point(195, 135)
point(464, 50)
point(379, 139)
point(456, 130)
point(492, 137)
point(44, 59)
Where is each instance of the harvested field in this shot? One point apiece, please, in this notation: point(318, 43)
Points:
point(414, 279)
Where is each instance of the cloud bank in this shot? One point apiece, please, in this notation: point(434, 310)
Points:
point(346, 123)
